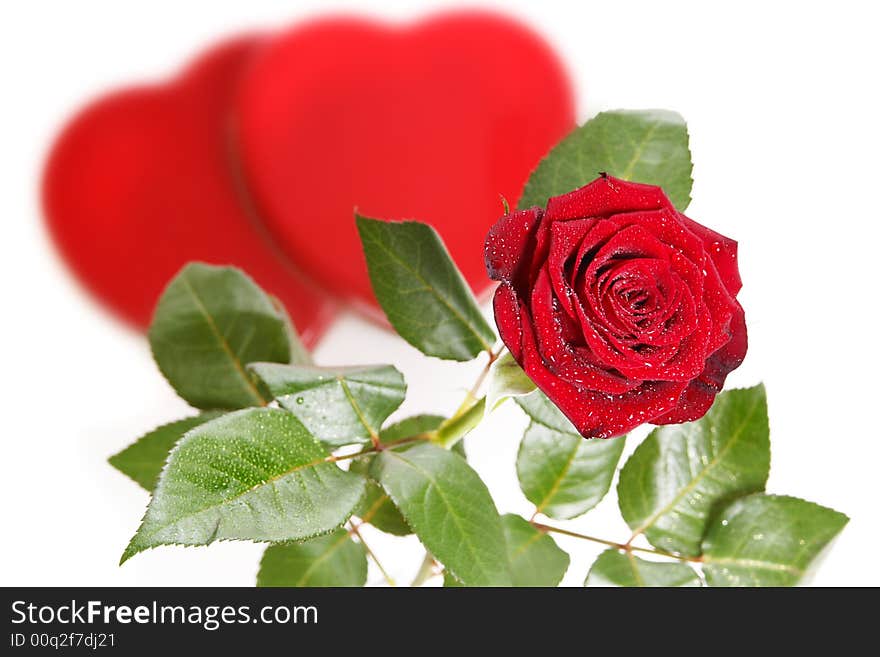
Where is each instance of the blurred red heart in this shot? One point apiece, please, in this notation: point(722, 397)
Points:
point(430, 122)
point(142, 182)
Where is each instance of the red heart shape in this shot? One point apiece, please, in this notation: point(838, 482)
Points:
point(143, 181)
point(432, 122)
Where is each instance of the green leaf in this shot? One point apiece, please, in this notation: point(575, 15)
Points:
point(423, 294)
point(376, 507)
point(450, 582)
point(411, 426)
point(449, 508)
point(339, 405)
point(614, 568)
point(211, 322)
point(143, 459)
point(255, 474)
point(331, 560)
point(418, 425)
point(506, 379)
point(535, 559)
point(458, 448)
point(680, 473)
point(646, 146)
point(299, 355)
point(560, 472)
point(767, 540)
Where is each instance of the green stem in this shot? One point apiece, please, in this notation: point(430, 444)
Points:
point(469, 413)
point(458, 426)
point(625, 547)
point(356, 531)
point(426, 570)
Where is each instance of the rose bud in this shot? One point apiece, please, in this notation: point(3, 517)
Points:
point(621, 309)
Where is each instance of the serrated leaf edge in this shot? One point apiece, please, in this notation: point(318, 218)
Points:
point(320, 559)
point(433, 481)
point(114, 457)
point(760, 564)
point(239, 367)
point(646, 525)
point(474, 330)
point(132, 549)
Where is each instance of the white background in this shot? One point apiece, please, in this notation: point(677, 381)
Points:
point(781, 101)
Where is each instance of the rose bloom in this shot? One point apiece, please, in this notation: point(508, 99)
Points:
point(621, 309)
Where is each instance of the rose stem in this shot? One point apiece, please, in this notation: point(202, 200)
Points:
point(469, 413)
point(626, 547)
point(354, 530)
point(426, 570)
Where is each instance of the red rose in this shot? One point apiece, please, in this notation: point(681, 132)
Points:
point(620, 308)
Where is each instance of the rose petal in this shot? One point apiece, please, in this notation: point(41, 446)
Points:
point(651, 357)
point(558, 355)
point(508, 241)
point(722, 307)
point(731, 355)
point(651, 281)
point(722, 250)
point(592, 242)
point(667, 226)
point(606, 196)
point(565, 238)
point(692, 405)
point(700, 393)
point(690, 272)
point(690, 356)
point(506, 308)
point(602, 231)
point(635, 242)
point(618, 354)
point(597, 414)
point(540, 252)
point(630, 242)
point(676, 325)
